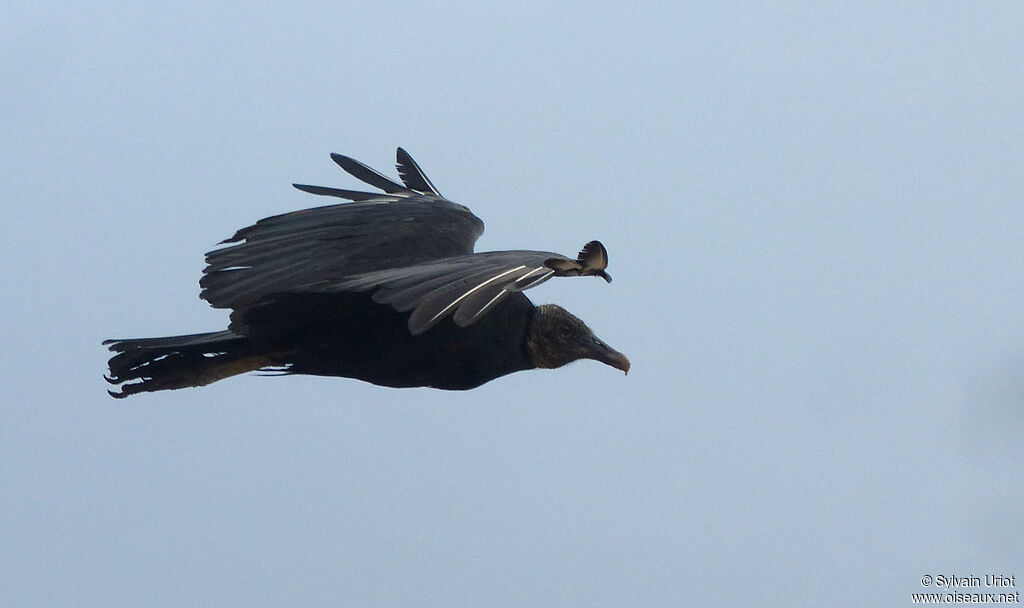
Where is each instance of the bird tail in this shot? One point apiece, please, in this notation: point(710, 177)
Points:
point(156, 364)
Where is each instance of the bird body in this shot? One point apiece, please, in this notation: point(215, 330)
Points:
point(349, 335)
point(386, 289)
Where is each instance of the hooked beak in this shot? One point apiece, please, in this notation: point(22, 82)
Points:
point(610, 356)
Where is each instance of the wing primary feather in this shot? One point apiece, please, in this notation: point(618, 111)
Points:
point(405, 299)
point(471, 291)
point(412, 175)
point(529, 274)
point(366, 174)
point(483, 309)
point(352, 195)
point(416, 329)
point(535, 282)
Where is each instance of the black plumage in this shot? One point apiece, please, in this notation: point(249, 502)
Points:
point(385, 289)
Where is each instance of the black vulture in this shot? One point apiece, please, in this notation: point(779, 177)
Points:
point(385, 289)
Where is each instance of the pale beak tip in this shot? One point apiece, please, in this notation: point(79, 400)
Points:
point(621, 362)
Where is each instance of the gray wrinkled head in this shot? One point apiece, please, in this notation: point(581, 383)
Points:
point(556, 337)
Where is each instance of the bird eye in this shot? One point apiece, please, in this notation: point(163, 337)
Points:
point(598, 342)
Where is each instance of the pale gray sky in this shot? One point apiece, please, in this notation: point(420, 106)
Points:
point(814, 218)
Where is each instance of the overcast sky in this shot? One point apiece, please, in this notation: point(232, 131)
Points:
point(815, 222)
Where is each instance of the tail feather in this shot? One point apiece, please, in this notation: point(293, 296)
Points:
point(156, 364)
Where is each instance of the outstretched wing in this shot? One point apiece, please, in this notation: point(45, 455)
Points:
point(296, 251)
point(411, 246)
point(466, 287)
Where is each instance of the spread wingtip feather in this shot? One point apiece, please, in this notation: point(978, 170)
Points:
point(412, 175)
point(367, 174)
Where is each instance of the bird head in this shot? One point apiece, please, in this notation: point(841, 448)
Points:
point(556, 337)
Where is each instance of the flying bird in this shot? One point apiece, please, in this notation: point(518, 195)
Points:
point(385, 288)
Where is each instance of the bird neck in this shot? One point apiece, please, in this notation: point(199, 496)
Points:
point(538, 347)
